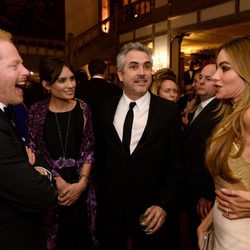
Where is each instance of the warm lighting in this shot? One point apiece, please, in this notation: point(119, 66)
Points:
point(161, 55)
point(150, 45)
point(105, 15)
point(190, 43)
point(160, 61)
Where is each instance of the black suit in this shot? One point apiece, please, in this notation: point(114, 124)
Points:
point(188, 77)
point(151, 175)
point(199, 182)
point(94, 92)
point(24, 194)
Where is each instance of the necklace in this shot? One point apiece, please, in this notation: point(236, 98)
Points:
point(64, 148)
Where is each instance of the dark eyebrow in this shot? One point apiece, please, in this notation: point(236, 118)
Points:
point(61, 78)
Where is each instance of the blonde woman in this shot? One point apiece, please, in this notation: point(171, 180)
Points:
point(228, 152)
point(165, 85)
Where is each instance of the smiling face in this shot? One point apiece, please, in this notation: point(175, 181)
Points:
point(169, 90)
point(12, 74)
point(136, 74)
point(64, 87)
point(229, 85)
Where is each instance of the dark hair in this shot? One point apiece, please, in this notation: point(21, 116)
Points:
point(81, 76)
point(51, 67)
point(96, 66)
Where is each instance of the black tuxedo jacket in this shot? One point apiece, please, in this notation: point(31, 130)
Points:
point(152, 174)
point(197, 176)
point(24, 194)
point(96, 90)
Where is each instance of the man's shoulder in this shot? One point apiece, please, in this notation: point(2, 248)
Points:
point(94, 80)
point(161, 102)
point(212, 105)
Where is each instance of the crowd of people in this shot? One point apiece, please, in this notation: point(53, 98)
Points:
point(99, 167)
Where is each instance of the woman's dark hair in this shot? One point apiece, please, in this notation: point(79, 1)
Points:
point(51, 67)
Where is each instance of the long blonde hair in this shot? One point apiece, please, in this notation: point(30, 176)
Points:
point(231, 127)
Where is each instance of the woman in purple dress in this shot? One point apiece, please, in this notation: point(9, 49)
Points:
point(60, 130)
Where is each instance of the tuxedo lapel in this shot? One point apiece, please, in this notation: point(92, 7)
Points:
point(7, 118)
point(10, 124)
point(154, 116)
point(205, 111)
point(109, 128)
point(3, 115)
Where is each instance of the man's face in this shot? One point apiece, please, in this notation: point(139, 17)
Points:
point(205, 87)
point(136, 74)
point(190, 91)
point(12, 74)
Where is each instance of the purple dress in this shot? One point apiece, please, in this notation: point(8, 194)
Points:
point(38, 121)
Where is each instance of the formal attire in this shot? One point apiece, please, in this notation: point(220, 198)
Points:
point(66, 140)
point(20, 115)
point(94, 92)
point(150, 174)
point(233, 234)
point(188, 76)
point(198, 181)
point(25, 195)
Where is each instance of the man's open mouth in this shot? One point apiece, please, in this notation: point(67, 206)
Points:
point(21, 85)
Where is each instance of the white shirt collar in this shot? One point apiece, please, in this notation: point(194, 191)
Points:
point(100, 77)
point(141, 103)
point(2, 106)
point(205, 103)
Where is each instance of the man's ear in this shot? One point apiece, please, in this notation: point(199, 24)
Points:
point(46, 85)
point(120, 75)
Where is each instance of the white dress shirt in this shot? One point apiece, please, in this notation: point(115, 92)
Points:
point(140, 117)
point(2, 106)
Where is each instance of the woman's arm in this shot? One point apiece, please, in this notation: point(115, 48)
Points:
point(204, 227)
point(70, 193)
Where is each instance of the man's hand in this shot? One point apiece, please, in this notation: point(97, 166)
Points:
point(31, 155)
point(234, 204)
point(203, 207)
point(154, 219)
